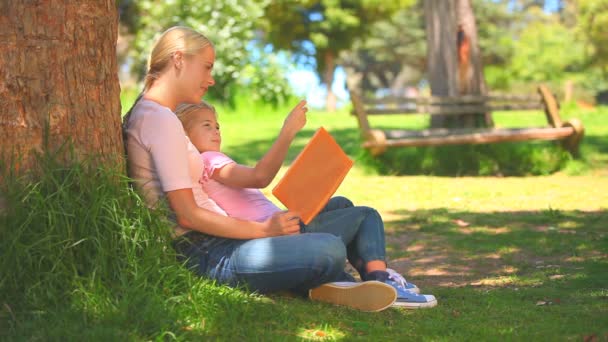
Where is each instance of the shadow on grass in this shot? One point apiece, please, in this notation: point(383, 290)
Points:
point(596, 144)
point(455, 248)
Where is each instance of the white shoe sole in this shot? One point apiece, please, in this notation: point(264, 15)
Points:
point(431, 302)
point(369, 296)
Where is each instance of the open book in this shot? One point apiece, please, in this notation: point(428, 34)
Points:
point(314, 176)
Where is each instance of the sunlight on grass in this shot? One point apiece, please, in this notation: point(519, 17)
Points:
point(84, 259)
point(509, 280)
point(322, 333)
point(508, 250)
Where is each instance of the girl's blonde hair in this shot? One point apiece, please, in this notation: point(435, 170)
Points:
point(186, 112)
point(177, 38)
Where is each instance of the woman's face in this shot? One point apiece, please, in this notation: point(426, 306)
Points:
point(204, 131)
point(196, 75)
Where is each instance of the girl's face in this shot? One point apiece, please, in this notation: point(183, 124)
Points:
point(196, 75)
point(204, 131)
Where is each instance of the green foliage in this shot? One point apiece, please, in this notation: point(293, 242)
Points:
point(545, 52)
point(330, 25)
point(392, 55)
point(496, 27)
point(592, 23)
point(265, 79)
point(230, 25)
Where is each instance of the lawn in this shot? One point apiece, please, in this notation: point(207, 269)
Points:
point(516, 258)
point(507, 257)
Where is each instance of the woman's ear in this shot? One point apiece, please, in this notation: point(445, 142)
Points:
point(178, 59)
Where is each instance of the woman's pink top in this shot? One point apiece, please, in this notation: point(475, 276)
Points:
point(162, 158)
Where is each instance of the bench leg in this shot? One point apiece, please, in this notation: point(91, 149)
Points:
point(572, 143)
point(377, 141)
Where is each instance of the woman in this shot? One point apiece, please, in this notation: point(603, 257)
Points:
point(265, 256)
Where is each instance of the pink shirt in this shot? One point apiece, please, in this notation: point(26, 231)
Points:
point(242, 203)
point(162, 158)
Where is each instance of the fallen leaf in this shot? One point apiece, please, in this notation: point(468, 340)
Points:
point(461, 223)
point(320, 333)
point(556, 276)
point(590, 338)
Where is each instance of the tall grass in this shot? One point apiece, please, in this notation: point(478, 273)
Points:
point(83, 257)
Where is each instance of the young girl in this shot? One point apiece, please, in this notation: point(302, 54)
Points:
point(234, 188)
point(265, 256)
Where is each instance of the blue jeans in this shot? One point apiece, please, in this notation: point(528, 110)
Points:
point(293, 262)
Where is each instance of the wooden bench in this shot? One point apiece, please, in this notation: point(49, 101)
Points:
point(377, 141)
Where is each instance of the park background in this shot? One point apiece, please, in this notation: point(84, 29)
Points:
point(511, 238)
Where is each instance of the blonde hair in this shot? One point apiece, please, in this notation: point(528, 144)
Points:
point(186, 112)
point(177, 38)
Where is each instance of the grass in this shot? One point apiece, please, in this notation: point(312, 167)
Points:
point(517, 258)
point(246, 143)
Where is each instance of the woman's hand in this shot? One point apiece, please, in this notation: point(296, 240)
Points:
point(282, 223)
point(296, 119)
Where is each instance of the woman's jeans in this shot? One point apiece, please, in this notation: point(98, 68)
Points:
point(292, 262)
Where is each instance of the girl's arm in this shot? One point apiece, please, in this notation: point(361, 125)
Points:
point(190, 216)
point(266, 169)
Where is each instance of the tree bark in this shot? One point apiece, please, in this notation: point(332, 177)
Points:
point(470, 76)
point(328, 79)
point(441, 41)
point(59, 81)
point(454, 59)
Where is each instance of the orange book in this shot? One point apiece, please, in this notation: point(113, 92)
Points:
point(314, 176)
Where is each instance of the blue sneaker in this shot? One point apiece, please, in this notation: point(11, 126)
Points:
point(399, 280)
point(405, 298)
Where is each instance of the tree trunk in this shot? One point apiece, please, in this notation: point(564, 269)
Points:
point(454, 59)
point(328, 78)
point(441, 41)
point(471, 79)
point(59, 81)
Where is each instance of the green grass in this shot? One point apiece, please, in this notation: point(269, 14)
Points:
point(247, 142)
point(516, 258)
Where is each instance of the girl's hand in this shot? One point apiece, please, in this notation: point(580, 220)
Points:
point(282, 223)
point(296, 119)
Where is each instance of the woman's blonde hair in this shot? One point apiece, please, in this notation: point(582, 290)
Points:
point(186, 112)
point(177, 38)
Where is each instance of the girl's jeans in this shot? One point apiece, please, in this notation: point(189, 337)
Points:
point(292, 262)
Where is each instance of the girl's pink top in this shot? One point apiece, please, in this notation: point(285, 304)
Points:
point(242, 203)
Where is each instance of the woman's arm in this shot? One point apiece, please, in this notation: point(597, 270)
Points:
point(190, 216)
point(266, 169)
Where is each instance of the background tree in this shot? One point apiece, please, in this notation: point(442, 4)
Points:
point(392, 56)
point(593, 23)
point(454, 59)
point(330, 25)
point(59, 80)
point(231, 26)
